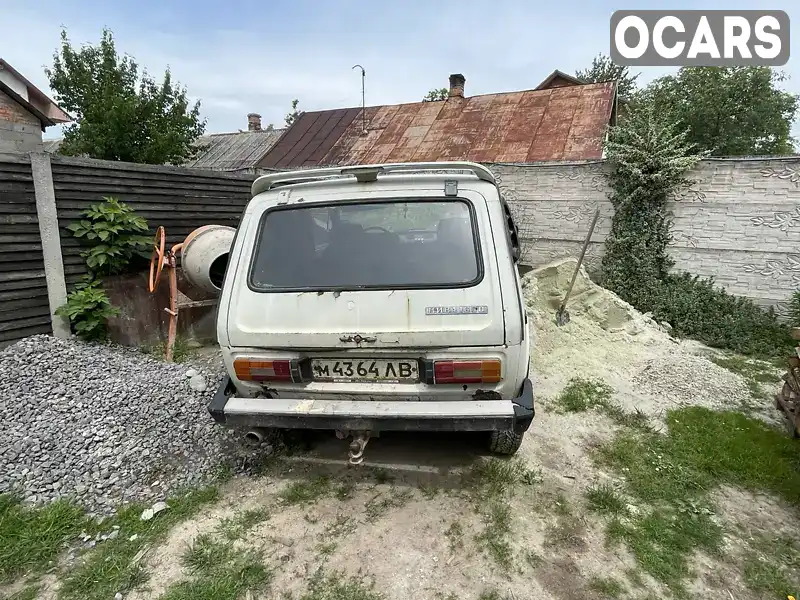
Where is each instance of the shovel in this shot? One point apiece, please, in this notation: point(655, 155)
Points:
point(562, 316)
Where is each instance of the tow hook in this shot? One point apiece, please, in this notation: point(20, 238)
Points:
point(357, 447)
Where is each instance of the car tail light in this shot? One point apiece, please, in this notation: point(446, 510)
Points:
point(248, 369)
point(466, 371)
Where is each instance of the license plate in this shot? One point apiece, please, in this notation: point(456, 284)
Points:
point(365, 370)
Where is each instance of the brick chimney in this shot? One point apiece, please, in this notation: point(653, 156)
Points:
point(457, 85)
point(253, 122)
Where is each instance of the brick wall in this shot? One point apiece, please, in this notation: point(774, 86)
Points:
point(740, 222)
point(20, 131)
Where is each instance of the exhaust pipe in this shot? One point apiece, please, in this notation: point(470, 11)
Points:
point(255, 436)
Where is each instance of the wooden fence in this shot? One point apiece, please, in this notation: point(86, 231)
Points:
point(24, 306)
point(180, 199)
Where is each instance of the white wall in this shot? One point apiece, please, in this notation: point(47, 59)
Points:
point(740, 222)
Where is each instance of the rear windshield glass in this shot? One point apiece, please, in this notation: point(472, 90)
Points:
point(378, 244)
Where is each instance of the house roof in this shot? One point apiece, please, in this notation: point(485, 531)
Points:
point(566, 122)
point(30, 97)
point(234, 151)
point(52, 146)
point(557, 79)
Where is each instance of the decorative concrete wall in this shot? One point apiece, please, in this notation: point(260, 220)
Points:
point(739, 222)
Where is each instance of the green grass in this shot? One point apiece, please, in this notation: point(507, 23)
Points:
point(182, 350)
point(561, 505)
point(455, 536)
point(382, 503)
point(236, 526)
point(704, 449)
point(110, 567)
point(493, 477)
point(534, 559)
point(493, 595)
point(429, 491)
point(607, 587)
point(580, 395)
point(383, 475)
point(674, 473)
point(755, 372)
point(345, 490)
point(605, 499)
point(637, 419)
point(766, 577)
point(26, 593)
point(567, 533)
point(664, 541)
point(490, 483)
point(219, 572)
point(772, 566)
point(496, 533)
point(634, 576)
point(306, 491)
point(341, 525)
point(336, 586)
point(32, 537)
point(327, 548)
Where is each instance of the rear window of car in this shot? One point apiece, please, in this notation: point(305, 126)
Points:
point(384, 245)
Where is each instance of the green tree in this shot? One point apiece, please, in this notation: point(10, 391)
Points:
point(294, 114)
point(436, 95)
point(119, 113)
point(729, 111)
point(604, 69)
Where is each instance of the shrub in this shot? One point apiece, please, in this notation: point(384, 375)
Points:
point(648, 159)
point(697, 309)
point(115, 237)
point(88, 309)
point(794, 309)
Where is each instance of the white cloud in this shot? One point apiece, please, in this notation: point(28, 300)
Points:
point(263, 65)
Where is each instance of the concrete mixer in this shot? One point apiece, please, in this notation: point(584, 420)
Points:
point(204, 257)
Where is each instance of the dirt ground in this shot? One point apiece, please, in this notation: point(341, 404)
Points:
point(404, 520)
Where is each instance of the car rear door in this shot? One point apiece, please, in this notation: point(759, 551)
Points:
point(392, 318)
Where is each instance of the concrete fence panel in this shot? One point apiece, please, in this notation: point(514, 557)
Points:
point(739, 222)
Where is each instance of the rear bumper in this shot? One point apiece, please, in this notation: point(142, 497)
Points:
point(380, 415)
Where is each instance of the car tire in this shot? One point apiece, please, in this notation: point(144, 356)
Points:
point(505, 442)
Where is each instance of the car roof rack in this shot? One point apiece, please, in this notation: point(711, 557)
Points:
point(366, 173)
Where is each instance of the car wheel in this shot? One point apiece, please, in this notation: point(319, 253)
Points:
point(505, 442)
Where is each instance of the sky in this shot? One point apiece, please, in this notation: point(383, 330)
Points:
point(241, 56)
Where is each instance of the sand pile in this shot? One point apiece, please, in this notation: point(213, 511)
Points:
point(608, 339)
point(547, 286)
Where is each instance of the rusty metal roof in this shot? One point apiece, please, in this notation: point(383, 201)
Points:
point(562, 123)
point(233, 151)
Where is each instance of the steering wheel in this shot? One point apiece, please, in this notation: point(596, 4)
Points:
point(376, 228)
point(159, 254)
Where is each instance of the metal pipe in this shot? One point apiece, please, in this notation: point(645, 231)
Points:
point(173, 306)
point(255, 436)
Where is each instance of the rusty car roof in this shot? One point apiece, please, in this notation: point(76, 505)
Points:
point(560, 123)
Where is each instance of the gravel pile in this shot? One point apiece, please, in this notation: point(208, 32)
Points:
point(106, 425)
